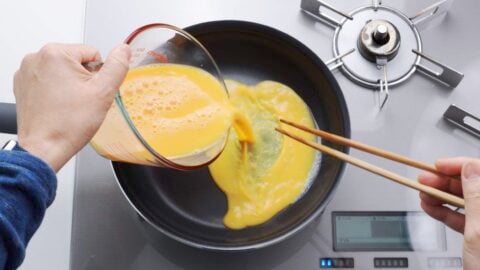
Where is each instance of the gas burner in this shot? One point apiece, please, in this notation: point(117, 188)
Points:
point(376, 36)
point(379, 40)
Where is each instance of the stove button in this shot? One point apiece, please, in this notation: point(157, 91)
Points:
point(390, 262)
point(444, 262)
point(349, 262)
point(337, 263)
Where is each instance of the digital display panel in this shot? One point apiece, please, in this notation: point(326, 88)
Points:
point(387, 231)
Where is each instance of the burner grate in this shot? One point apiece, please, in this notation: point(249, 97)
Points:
point(370, 38)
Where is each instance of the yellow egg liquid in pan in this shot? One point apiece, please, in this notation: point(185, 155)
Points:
point(261, 179)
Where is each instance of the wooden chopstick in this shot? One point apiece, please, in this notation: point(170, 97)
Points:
point(441, 195)
point(370, 149)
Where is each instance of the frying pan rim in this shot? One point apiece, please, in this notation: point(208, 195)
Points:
point(277, 34)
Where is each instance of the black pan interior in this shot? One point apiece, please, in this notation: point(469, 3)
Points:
point(188, 206)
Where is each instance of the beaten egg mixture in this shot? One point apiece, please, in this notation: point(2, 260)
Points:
point(263, 178)
point(170, 102)
point(260, 171)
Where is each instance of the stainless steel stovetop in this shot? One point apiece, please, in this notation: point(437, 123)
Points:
point(105, 233)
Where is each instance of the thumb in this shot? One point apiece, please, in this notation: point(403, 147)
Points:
point(471, 193)
point(113, 71)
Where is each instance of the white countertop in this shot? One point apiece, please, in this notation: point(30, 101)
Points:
point(26, 26)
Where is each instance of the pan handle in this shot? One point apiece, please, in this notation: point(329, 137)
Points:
point(8, 118)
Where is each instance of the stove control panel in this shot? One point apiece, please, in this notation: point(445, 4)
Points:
point(391, 262)
point(388, 240)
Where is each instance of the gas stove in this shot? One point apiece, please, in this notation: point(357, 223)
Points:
point(378, 48)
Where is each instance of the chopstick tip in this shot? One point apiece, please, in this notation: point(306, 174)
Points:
point(280, 130)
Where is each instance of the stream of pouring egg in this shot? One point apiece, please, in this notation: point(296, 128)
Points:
point(260, 171)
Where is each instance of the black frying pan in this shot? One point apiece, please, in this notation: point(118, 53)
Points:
point(188, 206)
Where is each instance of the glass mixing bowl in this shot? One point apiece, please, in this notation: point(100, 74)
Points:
point(118, 138)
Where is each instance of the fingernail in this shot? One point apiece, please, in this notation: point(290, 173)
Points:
point(441, 161)
point(125, 49)
point(471, 170)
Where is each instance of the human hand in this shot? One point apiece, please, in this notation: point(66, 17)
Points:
point(61, 105)
point(469, 188)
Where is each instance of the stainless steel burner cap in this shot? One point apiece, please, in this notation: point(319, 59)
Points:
point(379, 39)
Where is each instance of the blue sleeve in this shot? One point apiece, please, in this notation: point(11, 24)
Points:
point(27, 188)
